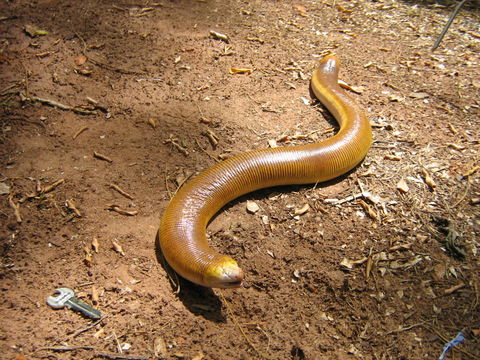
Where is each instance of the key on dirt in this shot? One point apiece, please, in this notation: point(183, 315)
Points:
point(65, 297)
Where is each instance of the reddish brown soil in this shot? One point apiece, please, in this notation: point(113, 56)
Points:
point(157, 74)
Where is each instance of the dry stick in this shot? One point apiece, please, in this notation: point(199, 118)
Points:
point(61, 106)
point(121, 191)
point(16, 209)
point(114, 356)
point(234, 319)
point(53, 186)
point(102, 157)
point(404, 329)
point(67, 348)
point(119, 347)
point(71, 205)
point(121, 211)
point(81, 130)
point(80, 331)
point(447, 25)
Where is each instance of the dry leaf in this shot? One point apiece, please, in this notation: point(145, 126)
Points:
point(33, 31)
point(116, 246)
point(419, 95)
point(235, 70)
point(80, 60)
point(302, 210)
point(402, 186)
point(355, 89)
point(349, 264)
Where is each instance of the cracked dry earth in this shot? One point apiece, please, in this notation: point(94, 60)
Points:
point(382, 263)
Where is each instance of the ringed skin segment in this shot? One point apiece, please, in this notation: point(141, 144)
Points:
point(182, 233)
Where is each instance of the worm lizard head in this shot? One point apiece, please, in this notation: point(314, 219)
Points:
point(224, 273)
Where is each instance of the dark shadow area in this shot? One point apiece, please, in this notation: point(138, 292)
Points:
point(199, 300)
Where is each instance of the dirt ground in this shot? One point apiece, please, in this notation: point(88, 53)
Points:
point(384, 262)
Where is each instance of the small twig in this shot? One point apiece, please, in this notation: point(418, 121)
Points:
point(81, 130)
point(71, 205)
point(447, 25)
point(119, 347)
point(16, 209)
point(175, 143)
point(404, 329)
point(58, 105)
point(453, 289)
point(114, 356)
point(121, 211)
point(102, 157)
point(212, 137)
point(81, 331)
point(52, 186)
point(121, 191)
point(67, 348)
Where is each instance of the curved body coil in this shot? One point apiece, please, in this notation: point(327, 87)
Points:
point(182, 232)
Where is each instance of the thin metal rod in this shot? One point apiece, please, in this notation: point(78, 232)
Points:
point(447, 25)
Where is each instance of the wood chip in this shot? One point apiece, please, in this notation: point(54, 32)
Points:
point(95, 245)
point(236, 70)
point(252, 207)
point(453, 289)
point(117, 247)
point(121, 211)
point(81, 130)
point(302, 210)
point(402, 186)
point(152, 123)
point(219, 36)
point(52, 186)
point(369, 210)
point(392, 157)
point(428, 179)
point(456, 147)
point(16, 209)
point(102, 157)
point(121, 191)
point(349, 264)
point(71, 205)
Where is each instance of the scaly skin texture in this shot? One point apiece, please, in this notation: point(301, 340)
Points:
point(182, 233)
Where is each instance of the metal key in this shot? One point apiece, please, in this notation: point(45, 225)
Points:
point(65, 297)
